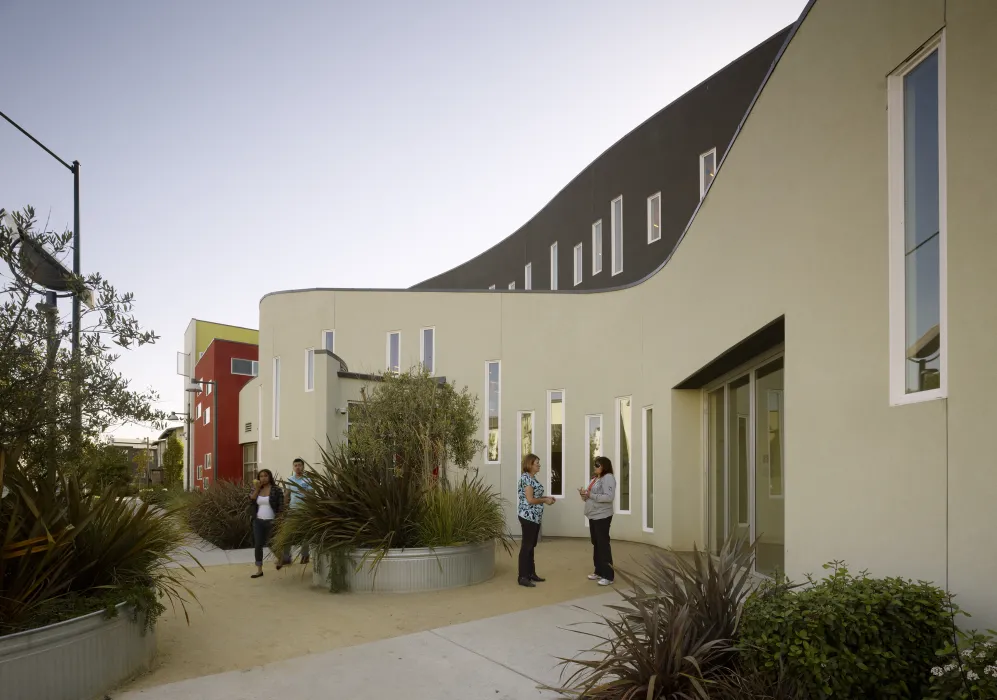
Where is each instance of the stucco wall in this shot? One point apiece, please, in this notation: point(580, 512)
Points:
point(795, 225)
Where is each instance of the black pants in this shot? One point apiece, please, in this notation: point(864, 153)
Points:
point(261, 536)
point(602, 551)
point(527, 546)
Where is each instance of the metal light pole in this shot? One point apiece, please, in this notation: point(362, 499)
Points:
point(195, 387)
point(77, 415)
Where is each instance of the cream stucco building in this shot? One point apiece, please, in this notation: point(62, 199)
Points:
point(814, 362)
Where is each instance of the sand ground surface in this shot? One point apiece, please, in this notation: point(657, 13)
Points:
point(239, 622)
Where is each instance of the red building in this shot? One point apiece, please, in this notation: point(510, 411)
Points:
point(225, 367)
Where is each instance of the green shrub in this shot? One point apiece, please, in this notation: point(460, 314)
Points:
point(847, 636)
point(468, 513)
point(220, 515)
point(158, 496)
point(969, 673)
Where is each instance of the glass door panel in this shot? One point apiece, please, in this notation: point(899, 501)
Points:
point(770, 437)
point(739, 456)
point(716, 430)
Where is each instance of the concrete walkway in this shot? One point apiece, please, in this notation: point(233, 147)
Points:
point(209, 555)
point(499, 658)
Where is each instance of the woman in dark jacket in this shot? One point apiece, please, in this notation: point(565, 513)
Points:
point(267, 501)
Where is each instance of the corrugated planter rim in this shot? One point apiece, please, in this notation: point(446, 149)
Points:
point(59, 631)
point(418, 552)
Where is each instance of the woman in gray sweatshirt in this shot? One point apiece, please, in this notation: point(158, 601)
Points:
point(599, 497)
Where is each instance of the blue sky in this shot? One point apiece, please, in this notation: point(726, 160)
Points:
point(230, 149)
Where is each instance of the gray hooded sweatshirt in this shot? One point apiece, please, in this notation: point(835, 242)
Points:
point(600, 502)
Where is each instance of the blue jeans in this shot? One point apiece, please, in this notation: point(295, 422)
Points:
point(261, 537)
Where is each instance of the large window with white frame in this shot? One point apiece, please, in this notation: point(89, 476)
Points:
point(310, 369)
point(579, 255)
point(276, 398)
point(493, 411)
point(597, 247)
point(329, 340)
point(654, 218)
point(555, 443)
point(647, 467)
point(616, 232)
point(247, 368)
point(525, 437)
point(553, 266)
point(707, 170)
point(918, 209)
point(427, 350)
point(528, 271)
point(624, 447)
point(393, 358)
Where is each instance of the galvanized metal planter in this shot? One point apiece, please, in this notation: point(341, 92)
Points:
point(413, 570)
point(76, 659)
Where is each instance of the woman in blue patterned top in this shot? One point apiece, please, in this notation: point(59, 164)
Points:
point(531, 513)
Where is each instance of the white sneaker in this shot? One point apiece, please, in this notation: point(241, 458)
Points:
point(593, 577)
point(605, 582)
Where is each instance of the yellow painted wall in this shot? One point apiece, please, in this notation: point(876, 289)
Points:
point(207, 331)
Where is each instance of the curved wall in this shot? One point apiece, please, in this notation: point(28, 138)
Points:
point(660, 155)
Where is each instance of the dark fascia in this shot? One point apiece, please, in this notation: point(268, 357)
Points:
point(377, 377)
point(603, 290)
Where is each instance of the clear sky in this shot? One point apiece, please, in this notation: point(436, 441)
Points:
point(233, 148)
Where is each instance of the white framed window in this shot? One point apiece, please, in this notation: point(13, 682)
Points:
point(276, 398)
point(492, 287)
point(647, 466)
point(579, 255)
point(593, 447)
point(393, 352)
point(529, 276)
point(207, 462)
point(654, 218)
point(310, 369)
point(526, 421)
point(597, 247)
point(918, 227)
point(207, 415)
point(208, 388)
point(197, 415)
point(329, 340)
point(624, 447)
point(553, 266)
point(427, 350)
point(512, 285)
point(707, 170)
point(616, 232)
point(493, 411)
point(200, 472)
point(248, 368)
point(555, 443)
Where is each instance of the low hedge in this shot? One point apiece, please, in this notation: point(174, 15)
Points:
point(220, 514)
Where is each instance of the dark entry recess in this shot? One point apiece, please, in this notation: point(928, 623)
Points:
point(770, 336)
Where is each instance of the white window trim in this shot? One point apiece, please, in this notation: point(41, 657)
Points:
point(387, 352)
point(528, 273)
point(275, 387)
point(207, 415)
point(597, 247)
point(422, 348)
point(207, 462)
point(492, 288)
point(612, 236)
point(309, 364)
point(585, 465)
point(898, 280)
point(703, 187)
point(512, 285)
point(325, 335)
point(617, 465)
point(209, 389)
point(650, 222)
point(200, 472)
point(197, 410)
point(498, 408)
point(644, 466)
point(564, 442)
point(553, 267)
point(578, 262)
point(519, 432)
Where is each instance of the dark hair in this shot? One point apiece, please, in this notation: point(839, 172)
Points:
point(298, 460)
point(528, 461)
point(269, 473)
point(607, 466)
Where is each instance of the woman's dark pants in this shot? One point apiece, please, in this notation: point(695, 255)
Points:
point(602, 552)
point(261, 536)
point(527, 565)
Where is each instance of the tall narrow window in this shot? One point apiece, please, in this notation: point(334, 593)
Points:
point(525, 434)
point(597, 247)
point(310, 369)
point(512, 285)
point(329, 341)
point(208, 388)
point(654, 218)
point(207, 415)
point(276, 398)
point(529, 276)
point(555, 442)
point(198, 414)
point(593, 444)
point(623, 445)
point(918, 277)
point(394, 359)
point(553, 267)
point(707, 170)
point(648, 469)
point(616, 226)
point(579, 254)
point(494, 407)
point(428, 350)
